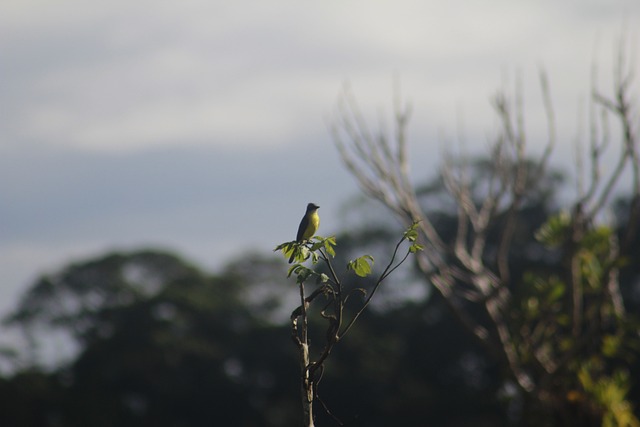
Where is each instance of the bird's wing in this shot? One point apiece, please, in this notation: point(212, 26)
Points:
point(303, 226)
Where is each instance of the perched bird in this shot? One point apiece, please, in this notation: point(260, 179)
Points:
point(308, 225)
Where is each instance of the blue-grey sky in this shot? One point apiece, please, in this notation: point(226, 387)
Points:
point(200, 125)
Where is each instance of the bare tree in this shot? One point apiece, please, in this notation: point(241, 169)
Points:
point(464, 271)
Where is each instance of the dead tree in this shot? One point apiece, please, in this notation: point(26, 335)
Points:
point(463, 271)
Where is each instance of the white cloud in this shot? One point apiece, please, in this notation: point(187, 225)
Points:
point(120, 75)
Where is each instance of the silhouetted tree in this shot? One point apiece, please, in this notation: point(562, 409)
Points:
point(161, 344)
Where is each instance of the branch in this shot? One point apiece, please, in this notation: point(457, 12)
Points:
point(621, 107)
point(390, 268)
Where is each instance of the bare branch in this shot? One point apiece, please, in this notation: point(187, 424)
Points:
point(464, 270)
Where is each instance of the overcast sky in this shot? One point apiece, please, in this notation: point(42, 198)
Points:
point(200, 125)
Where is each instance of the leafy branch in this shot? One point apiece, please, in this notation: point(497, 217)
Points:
point(322, 273)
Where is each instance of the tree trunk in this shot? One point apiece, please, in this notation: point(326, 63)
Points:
point(307, 387)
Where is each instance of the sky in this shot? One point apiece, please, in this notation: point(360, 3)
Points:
point(202, 126)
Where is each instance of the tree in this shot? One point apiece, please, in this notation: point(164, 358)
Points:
point(560, 335)
point(334, 308)
point(161, 343)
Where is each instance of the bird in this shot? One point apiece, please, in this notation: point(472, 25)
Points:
point(308, 226)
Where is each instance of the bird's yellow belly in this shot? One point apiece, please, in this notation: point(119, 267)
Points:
point(314, 223)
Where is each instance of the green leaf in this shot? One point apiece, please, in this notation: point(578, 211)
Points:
point(292, 269)
point(322, 278)
point(555, 230)
point(361, 266)
point(329, 248)
point(284, 246)
point(287, 248)
point(598, 239)
point(331, 251)
point(316, 245)
point(303, 273)
point(411, 234)
point(415, 248)
point(300, 252)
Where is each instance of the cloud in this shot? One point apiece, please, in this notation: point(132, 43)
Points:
point(122, 75)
